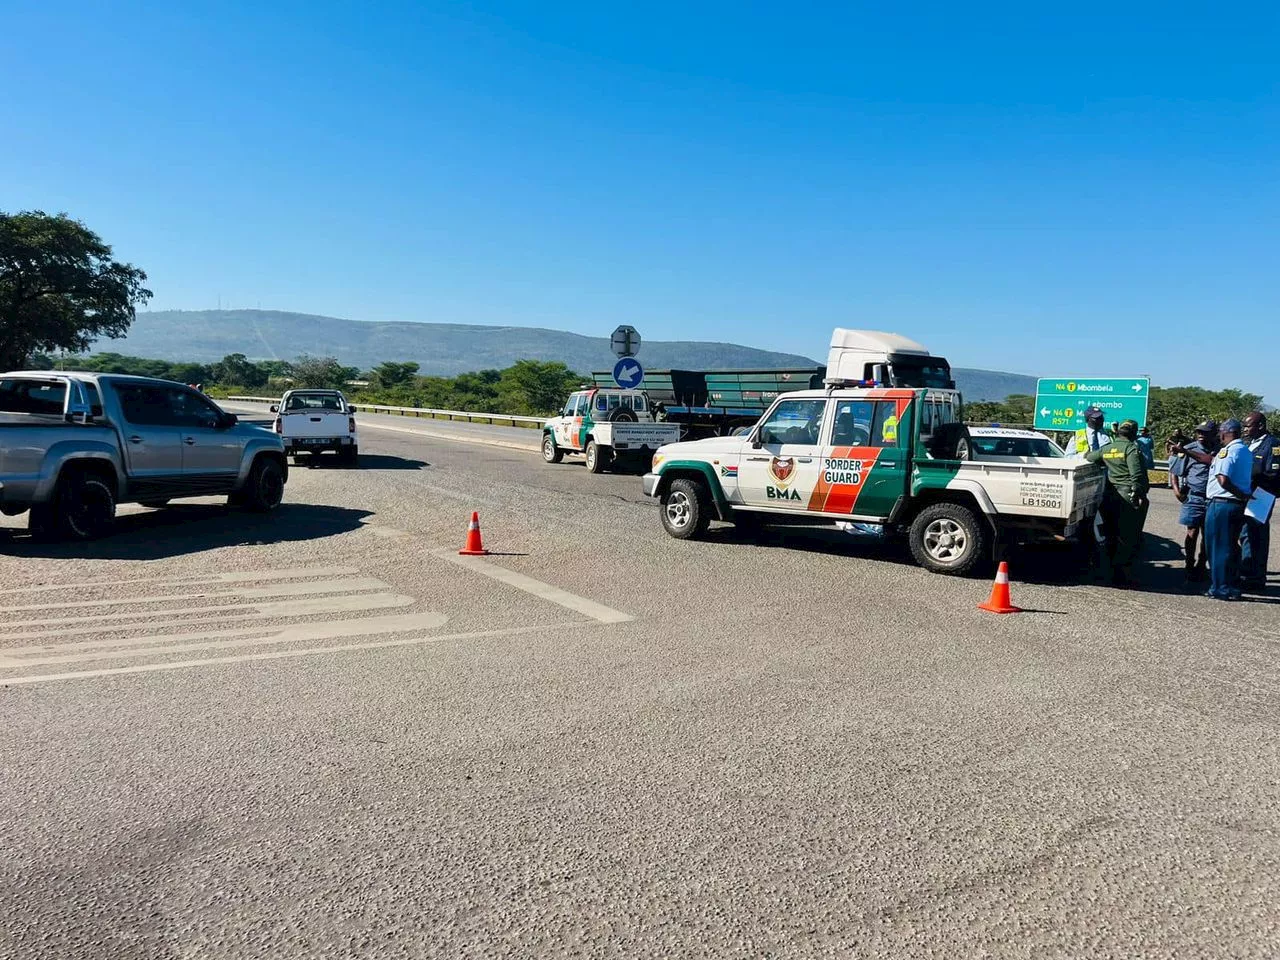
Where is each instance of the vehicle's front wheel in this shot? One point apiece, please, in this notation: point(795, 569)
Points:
point(948, 538)
point(597, 459)
point(550, 452)
point(83, 508)
point(264, 489)
point(686, 509)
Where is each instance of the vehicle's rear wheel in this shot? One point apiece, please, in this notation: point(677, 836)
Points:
point(264, 489)
point(83, 508)
point(686, 509)
point(597, 459)
point(550, 452)
point(948, 538)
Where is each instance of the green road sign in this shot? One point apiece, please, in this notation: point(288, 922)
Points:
point(1061, 401)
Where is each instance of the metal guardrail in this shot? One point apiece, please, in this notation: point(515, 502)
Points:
point(528, 423)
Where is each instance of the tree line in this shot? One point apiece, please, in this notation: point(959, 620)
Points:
point(527, 388)
point(1169, 410)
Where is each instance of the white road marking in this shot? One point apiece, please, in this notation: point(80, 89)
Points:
point(296, 573)
point(279, 654)
point(279, 590)
point(244, 637)
point(544, 591)
point(262, 611)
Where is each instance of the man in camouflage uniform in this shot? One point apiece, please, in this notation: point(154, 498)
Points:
point(1125, 503)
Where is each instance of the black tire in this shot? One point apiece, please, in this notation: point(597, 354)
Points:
point(550, 452)
point(597, 459)
point(154, 504)
point(950, 441)
point(264, 489)
point(949, 538)
point(622, 415)
point(83, 508)
point(686, 509)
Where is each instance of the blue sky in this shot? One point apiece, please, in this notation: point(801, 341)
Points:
point(1087, 189)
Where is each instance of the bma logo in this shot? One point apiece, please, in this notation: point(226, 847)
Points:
point(777, 493)
point(782, 468)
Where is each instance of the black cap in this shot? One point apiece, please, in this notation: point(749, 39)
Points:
point(1208, 426)
point(1093, 412)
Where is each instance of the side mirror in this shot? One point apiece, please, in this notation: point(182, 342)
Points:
point(228, 420)
point(353, 410)
point(275, 408)
point(755, 442)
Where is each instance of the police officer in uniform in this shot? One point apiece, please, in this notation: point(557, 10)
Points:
point(1255, 542)
point(1125, 503)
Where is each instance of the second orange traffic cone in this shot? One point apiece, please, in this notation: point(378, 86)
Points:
point(1000, 601)
point(475, 546)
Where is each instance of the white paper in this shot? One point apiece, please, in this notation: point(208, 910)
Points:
point(1259, 505)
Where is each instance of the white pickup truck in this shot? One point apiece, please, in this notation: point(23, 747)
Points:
point(608, 427)
point(890, 459)
point(313, 421)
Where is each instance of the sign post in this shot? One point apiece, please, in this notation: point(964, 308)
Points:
point(1062, 401)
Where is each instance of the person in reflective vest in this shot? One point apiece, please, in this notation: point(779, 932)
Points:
point(889, 431)
point(1094, 436)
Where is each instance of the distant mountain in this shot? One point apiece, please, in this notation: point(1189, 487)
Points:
point(446, 349)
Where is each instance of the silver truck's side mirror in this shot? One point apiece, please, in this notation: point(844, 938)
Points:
point(275, 408)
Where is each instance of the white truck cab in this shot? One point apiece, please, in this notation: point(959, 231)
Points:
point(606, 426)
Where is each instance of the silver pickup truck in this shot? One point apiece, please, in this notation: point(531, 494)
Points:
point(73, 445)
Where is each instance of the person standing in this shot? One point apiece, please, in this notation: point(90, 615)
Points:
point(1094, 436)
point(1228, 490)
point(1255, 542)
point(1189, 478)
point(1171, 448)
point(1147, 444)
point(1125, 503)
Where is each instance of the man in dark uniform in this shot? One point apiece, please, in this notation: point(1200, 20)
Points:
point(1189, 477)
point(1125, 502)
point(1255, 543)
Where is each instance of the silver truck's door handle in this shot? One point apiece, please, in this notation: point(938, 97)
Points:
point(135, 439)
point(806, 459)
point(758, 459)
point(188, 440)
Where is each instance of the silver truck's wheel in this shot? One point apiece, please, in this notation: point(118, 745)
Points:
point(264, 490)
point(550, 452)
point(83, 508)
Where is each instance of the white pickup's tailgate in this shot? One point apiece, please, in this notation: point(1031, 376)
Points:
point(1057, 489)
point(627, 436)
point(313, 423)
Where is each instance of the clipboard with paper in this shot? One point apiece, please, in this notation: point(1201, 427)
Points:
point(1260, 505)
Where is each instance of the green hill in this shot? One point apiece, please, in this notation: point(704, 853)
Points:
point(447, 349)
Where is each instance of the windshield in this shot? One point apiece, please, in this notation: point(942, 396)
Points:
point(1015, 447)
point(920, 372)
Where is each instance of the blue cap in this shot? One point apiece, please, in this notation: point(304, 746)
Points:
point(1231, 425)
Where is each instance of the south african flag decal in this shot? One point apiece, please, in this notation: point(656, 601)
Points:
point(728, 471)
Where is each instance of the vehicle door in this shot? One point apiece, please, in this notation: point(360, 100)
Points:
point(569, 424)
point(150, 433)
point(780, 466)
point(864, 465)
point(211, 451)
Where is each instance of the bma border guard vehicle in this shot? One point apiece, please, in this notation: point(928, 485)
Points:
point(896, 459)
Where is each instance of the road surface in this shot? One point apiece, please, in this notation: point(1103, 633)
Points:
point(321, 734)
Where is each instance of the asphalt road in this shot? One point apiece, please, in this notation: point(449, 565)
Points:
point(320, 734)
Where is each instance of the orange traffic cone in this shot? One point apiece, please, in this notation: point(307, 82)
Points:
point(475, 546)
point(999, 601)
